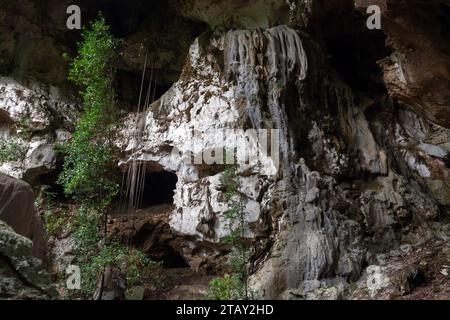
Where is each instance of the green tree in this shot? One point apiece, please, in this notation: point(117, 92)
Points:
point(89, 156)
point(233, 286)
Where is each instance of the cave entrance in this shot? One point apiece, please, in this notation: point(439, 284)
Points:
point(159, 188)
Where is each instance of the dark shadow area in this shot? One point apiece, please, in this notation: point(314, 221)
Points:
point(152, 24)
point(50, 179)
point(128, 84)
point(159, 188)
point(355, 56)
point(353, 49)
point(158, 248)
point(444, 19)
point(416, 279)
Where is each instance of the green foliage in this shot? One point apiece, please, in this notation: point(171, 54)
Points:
point(128, 261)
point(230, 287)
point(234, 286)
point(238, 260)
point(235, 215)
point(89, 155)
point(87, 174)
point(86, 231)
point(93, 258)
point(55, 221)
point(12, 150)
point(89, 160)
point(236, 222)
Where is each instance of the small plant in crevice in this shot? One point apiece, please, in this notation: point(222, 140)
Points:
point(230, 287)
point(234, 286)
point(12, 150)
point(57, 220)
point(24, 128)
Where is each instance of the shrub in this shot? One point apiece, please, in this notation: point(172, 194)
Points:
point(54, 224)
point(230, 287)
point(55, 218)
point(128, 261)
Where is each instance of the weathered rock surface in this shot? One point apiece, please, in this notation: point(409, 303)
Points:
point(363, 175)
point(21, 275)
point(419, 272)
point(34, 116)
point(17, 210)
point(235, 13)
point(26, 48)
point(337, 200)
point(417, 72)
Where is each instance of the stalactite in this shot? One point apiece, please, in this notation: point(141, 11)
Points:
point(263, 63)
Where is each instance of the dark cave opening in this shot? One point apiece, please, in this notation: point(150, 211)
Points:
point(159, 188)
point(354, 49)
point(444, 19)
point(153, 22)
point(416, 279)
point(355, 57)
point(125, 17)
point(158, 247)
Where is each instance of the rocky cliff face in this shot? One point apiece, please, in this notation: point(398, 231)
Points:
point(355, 173)
point(362, 186)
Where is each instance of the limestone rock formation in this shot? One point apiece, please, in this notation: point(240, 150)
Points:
point(353, 199)
point(236, 14)
point(34, 118)
point(317, 220)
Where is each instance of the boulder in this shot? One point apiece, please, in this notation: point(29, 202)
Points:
point(17, 210)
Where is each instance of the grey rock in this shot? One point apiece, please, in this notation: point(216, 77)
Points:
point(32, 109)
point(135, 293)
point(312, 195)
point(406, 248)
point(434, 151)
